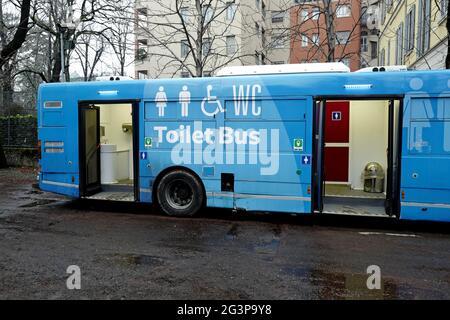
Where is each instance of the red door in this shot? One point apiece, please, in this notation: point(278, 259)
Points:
point(336, 157)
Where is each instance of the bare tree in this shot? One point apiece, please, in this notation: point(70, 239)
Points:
point(8, 49)
point(320, 28)
point(89, 51)
point(193, 36)
point(120, 38)
point(91, 17)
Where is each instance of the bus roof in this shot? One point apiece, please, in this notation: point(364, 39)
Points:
point(298, 84)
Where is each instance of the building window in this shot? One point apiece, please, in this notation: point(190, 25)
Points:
point(231, 10)
point(184, 48)
point(257, 4)
point(410, 29)
point(383, 11)
point(343, 11)
point(304, 15)
point(206, 47)
point(388, 60)
point(315, 39)
point(304, 40)
point(373, 49)
point(389, 5)
point(257, 60)
point(184, 12)
point(423, 37)
point(444, 7)
point(142, 48)
point(141, 15)
point(364, 16)
point(399, 45)
point(231, 45)
point(185, 74)
point(278, 39)
point(277, 16)
point(263, 9)
point(343, 37)
point(142, 74)
point(382, 61)
point(364, 46)
point(315, 14)
point(207, 13)
point(263, 37)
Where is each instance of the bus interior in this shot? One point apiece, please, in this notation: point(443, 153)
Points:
point(357, 153)
point(107, 155)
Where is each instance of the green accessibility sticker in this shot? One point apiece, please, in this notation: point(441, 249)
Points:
point(298, 144)
point(148, 141)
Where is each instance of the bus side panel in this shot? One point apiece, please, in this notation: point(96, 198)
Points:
point(272, 177)
point(58, 136)
point(425, 181)
point(280, 182)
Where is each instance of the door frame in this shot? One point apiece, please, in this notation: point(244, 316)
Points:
point(136, 132)
point(85, 190)
point(317, 178)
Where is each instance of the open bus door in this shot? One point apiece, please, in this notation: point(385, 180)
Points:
point(318, 190)
point(89, 127)
point(393, 154)
point(392, 204)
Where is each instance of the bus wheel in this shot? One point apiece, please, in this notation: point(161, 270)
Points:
point(179, 193)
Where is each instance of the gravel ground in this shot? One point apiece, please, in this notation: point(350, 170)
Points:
point(133, 252)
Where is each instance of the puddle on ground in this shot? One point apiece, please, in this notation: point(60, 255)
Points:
point(36, 203)
point(233, 232)
point(138, 260)
point(276, 231)
point(270, 247)
point(34, 192)
point(335, 285)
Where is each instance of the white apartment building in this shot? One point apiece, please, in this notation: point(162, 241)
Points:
point(186, 38)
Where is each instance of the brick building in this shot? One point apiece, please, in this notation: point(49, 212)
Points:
point(326, 31)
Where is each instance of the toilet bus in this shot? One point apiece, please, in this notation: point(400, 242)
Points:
point(285, 138)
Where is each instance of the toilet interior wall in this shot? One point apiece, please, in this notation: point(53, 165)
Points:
point(112, 117)
point(369, 121)
point(368, 138)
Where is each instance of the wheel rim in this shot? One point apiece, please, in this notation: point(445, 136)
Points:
point(179, 194)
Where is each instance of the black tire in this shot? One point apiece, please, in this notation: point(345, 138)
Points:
point(179, 193)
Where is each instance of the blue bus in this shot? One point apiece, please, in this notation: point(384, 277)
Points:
point(302, 139)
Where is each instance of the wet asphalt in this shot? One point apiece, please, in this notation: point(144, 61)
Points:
point(130, 251)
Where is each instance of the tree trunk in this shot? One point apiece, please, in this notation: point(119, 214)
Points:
point(331, 36)
point(19, 36)
point(56, 70)
point(447, 58)
point(7, 88)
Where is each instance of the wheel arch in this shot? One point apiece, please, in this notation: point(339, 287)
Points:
point(175, 168)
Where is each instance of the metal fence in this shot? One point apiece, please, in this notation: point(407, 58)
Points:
point(18, 123)
point(18, 102)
